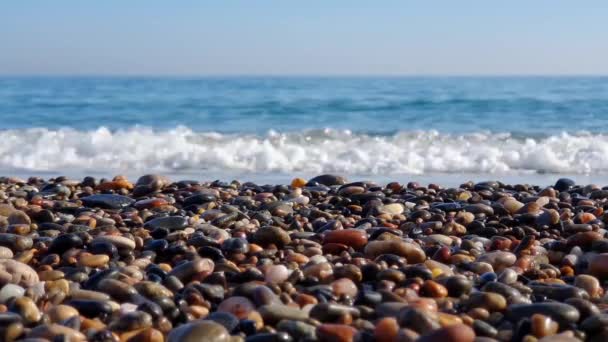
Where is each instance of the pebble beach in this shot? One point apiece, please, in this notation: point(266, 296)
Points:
point(321, 259)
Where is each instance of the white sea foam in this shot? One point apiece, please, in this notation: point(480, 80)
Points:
point(181, 149)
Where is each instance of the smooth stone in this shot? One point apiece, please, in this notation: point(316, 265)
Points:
point(588, 283)
point(598, 266)
point(508, 276)
point(433, 289)
point(542, 325)
point(336, 332)
point(479, 208)
point(564, 184)
point(168, 222)
point(11, 290)
point(199, 331)
point(330, 311)
point(235, 245)
point(157, 181)
point(153, 290)
point(299, 330)
point(392, 208)
point(188, 269)
point(61, 312)
point(328, 180)
point(562, 313)
point(276, 274)
point(132, 321)
point(458, 285)
point(64, 242)
point(411, 252)
point(559, 292)
point(386, 330)
point(498, 259)
point(120, 242)
point(93, 260)
point(344, 287)
point(117, 289)
point(27, 309)
point(483, 328)
point(271, 235)
point(91, 308)
point(107, 201)
point(274, 313)
point(356, 238)
point(453, 333)
point(88, 295)
point(21, 274)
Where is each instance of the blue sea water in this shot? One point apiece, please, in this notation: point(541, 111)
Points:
point(367, 126)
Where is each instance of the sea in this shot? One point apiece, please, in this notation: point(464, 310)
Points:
point(444, 130)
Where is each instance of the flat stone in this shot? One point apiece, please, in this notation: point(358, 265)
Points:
point(560, 312)
point(356, 238)
point(274, 313)
point(168, 222)
point(107, 201)
point(411, 252)
point(120, 242)
point(327, 180)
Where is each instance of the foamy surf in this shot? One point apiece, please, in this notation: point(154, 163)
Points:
point(182, 150)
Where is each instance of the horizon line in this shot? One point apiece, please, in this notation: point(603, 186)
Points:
point(296, 75)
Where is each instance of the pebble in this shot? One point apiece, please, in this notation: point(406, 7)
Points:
point(20, 273)
point(271, 235)
point(598, 266)
point(336, 332)
point(356, 238)
point(323, 259)
point(199, 331)
point(107, 201)
point(560, 312)
point(11, 290)
point(276, 274)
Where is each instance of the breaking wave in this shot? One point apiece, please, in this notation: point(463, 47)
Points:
point(141, 149)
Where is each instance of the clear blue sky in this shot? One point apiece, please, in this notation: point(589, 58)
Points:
point(303, 37)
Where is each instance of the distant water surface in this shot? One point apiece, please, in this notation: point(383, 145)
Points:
point(259, 126)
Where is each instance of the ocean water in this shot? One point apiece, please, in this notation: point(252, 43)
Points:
point(275, 128)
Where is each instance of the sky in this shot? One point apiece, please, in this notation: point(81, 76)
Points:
point(314, 37)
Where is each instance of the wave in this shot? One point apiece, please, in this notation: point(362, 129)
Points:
point(139, 149)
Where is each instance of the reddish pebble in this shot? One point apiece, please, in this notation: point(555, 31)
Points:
point(386, 330)
point(433, 289)
point(598, 266)
point(335, 333)
point(356, 238)
point(150, 203)
point(344, 286)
